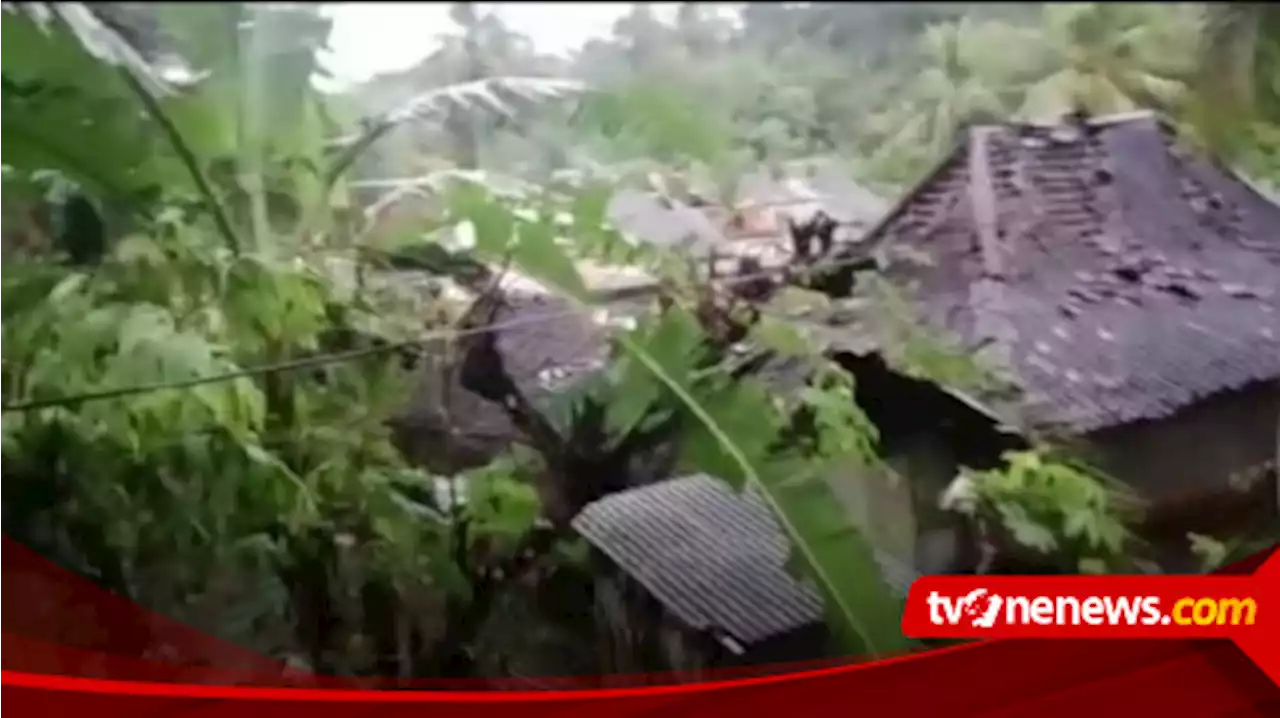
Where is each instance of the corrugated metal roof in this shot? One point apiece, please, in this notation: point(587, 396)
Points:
point(714, 558)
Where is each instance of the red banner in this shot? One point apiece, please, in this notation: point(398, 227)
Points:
point(1088, 607)
point(1244, 609)
point(70, 647)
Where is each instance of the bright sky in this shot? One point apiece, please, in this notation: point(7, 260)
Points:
point(372, 37)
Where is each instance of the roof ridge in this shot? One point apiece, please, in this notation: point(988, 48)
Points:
point(1115, 118)
point(961, 143)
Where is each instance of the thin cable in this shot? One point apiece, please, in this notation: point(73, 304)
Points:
point(340, 357)
point(321, 360)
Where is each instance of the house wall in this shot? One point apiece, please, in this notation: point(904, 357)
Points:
point(626, 627)
point(641, 643)
point(925, 436)
point(812, 643)
point(1181, 464)
point(1196, 448)
point(1189, 468)
point(686, 655)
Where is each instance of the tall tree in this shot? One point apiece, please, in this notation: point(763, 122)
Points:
point(1107, 58)
point(1238, 85)
point(641, 34)
point(955, 79)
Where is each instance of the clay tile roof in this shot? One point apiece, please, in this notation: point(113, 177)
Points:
point(1116, 275)
point(712, 557)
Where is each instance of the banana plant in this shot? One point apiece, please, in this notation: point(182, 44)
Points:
point(736, 425)
point(833, 554)
point(252, 117)
point(65, 107)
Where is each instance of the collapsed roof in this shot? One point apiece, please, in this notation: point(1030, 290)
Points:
point(1114, 275)
point(769, 200)
point(546, 343)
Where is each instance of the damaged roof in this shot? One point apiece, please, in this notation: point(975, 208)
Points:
point(768, 198)
point(546, 342)
point(800, 192)
point(551, 347)
point(713, 557)
point(1114, 275)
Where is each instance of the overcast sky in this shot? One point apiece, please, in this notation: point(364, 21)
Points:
point(372, 37)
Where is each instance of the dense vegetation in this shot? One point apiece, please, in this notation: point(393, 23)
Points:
point(204, 345)
point(884, 87)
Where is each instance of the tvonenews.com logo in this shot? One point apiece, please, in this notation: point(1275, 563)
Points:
point(983, 609)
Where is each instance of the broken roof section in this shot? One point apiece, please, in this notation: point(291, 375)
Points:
point(802, 191)
point(547, 343)
point(794, 192)
point(713, 557)
point(765, 201)
point(1115, 275)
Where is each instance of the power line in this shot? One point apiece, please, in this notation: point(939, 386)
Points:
point(340, 357)
point(305, 363)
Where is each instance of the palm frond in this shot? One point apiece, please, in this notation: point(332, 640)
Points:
point(1225, 99)
point(478, 94)
point(433, 184)
point(490, 94)
point(435, 104)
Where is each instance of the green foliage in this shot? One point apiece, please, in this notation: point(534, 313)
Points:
point(271, 481)
point(63, 108)
point(292, 473)
point(1236, 85)
point(659, 121)
point(1053, 507)
point(1211, 552)
point(894, 83)
point(886, 86)
point(737, 440)
point(247, 466)
point(500, 503)
point(244, 248)
point(733, 427)
point(920, 352)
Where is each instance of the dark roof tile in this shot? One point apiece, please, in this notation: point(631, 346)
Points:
point(548, 344)
point(1134, 278)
